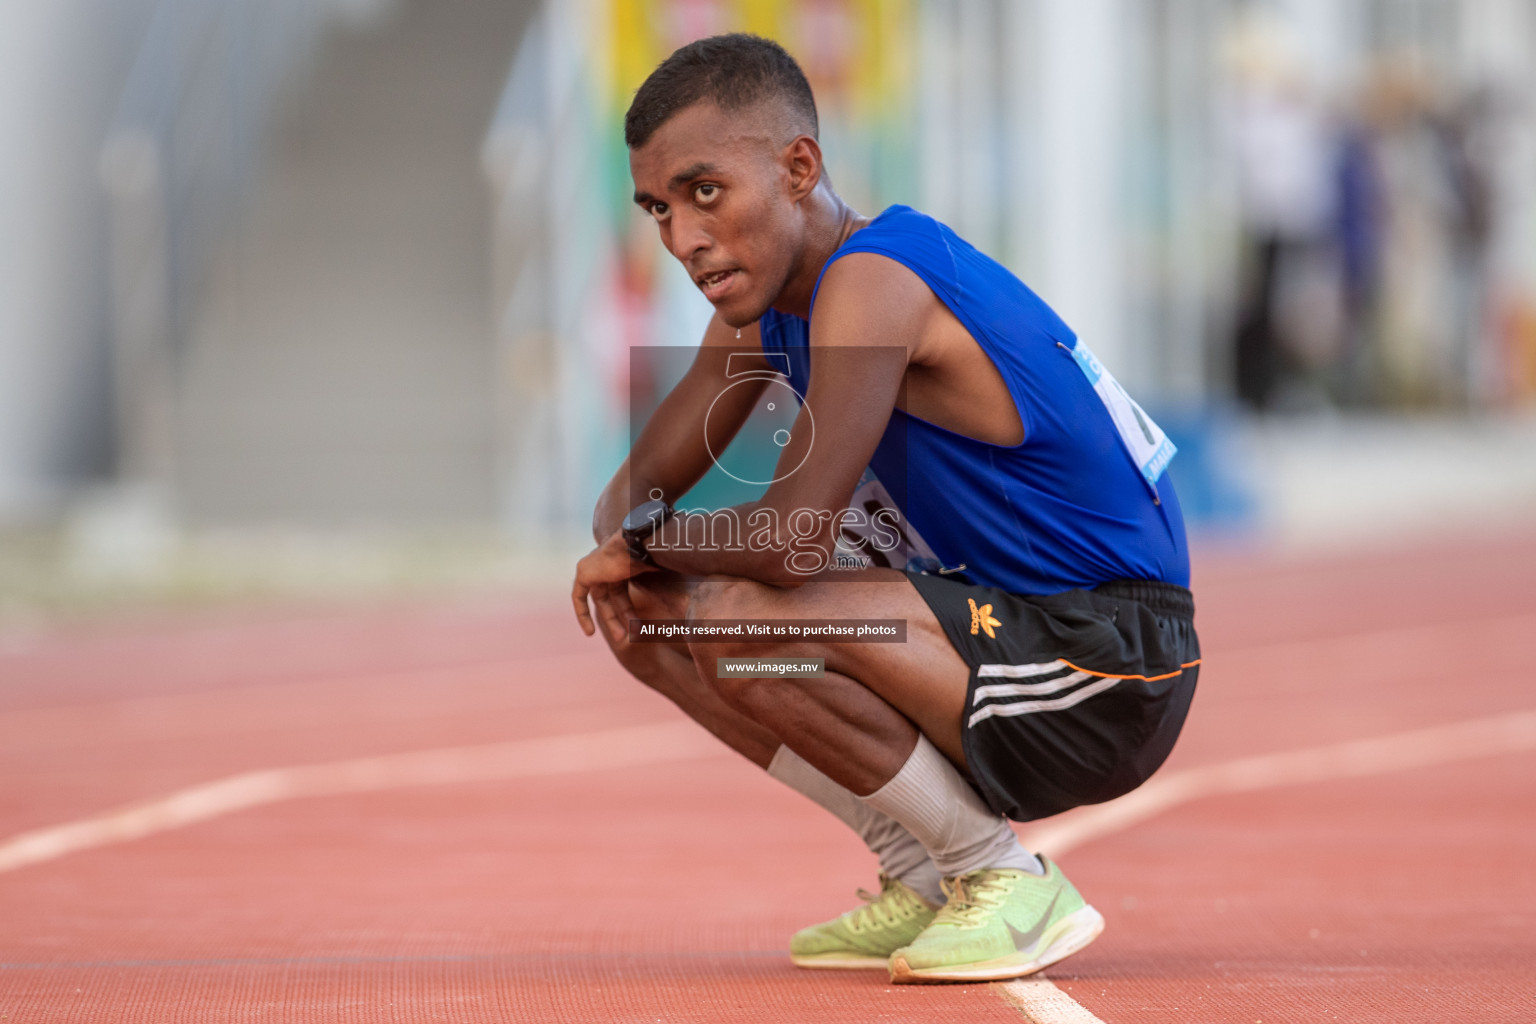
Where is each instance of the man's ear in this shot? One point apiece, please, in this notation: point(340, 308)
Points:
point(802, 158)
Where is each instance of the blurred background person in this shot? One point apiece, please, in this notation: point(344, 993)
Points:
point(1282, 148)
point(1420, 331)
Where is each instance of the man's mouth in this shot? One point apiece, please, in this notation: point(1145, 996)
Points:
point(715, 283)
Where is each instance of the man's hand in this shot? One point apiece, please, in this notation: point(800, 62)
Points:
point(657, 595)
point(609, 563)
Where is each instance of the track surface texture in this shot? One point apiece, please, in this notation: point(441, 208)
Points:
point(623, 874)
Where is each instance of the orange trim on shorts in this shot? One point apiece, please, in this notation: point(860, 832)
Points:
point(1149, 679)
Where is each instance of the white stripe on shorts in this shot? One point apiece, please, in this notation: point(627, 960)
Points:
point(1019, 671)
point(1029, 707)
point(1026, 689)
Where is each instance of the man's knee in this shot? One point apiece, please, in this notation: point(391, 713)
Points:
point(726, 599)
point(658, 596)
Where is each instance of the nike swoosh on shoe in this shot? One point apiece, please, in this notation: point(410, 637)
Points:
point(1025, 941)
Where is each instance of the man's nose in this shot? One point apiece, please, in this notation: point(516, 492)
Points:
point(688, 236)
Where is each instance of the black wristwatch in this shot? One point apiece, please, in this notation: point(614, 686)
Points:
point(641, 524)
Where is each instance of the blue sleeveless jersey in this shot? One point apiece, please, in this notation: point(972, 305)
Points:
point(1068, 507)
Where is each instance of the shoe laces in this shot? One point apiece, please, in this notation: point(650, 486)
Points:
point(890, 906)
point(972, 896)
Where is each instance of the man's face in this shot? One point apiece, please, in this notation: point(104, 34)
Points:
point(721, 193)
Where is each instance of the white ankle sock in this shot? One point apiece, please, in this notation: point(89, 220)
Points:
point(900, 854)
point(935, 803)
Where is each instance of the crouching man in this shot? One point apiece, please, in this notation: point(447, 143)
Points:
point(1050, 654)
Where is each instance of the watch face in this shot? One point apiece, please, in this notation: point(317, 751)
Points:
point(756, 454)
point(644, 518)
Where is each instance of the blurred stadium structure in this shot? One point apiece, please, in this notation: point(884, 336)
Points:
point(256, 275)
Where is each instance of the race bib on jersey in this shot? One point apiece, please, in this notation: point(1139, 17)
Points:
point(879, 535)
point(1148, 446)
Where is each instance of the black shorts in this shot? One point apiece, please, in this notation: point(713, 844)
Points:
point(1074, 698)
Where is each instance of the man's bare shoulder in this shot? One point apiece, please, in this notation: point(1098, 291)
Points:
point(866, 295)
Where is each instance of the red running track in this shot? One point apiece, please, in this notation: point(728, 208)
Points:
point(666, 890)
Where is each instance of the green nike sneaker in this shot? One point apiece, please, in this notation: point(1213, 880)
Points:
point(866, 936)
point(999, 923)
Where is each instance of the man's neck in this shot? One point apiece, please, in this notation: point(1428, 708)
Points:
point(832, 221)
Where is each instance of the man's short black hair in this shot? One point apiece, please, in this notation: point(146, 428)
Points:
point(735, 71)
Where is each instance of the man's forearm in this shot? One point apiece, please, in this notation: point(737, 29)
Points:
point(762, 566)
point(754, 541)
point(608, 514)
point(616, 501)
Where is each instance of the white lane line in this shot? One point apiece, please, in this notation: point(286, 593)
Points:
point(1042, 1002)
point(552, 755)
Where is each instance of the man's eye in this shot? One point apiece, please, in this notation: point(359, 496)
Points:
point(706, 193)
point(658, 210)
